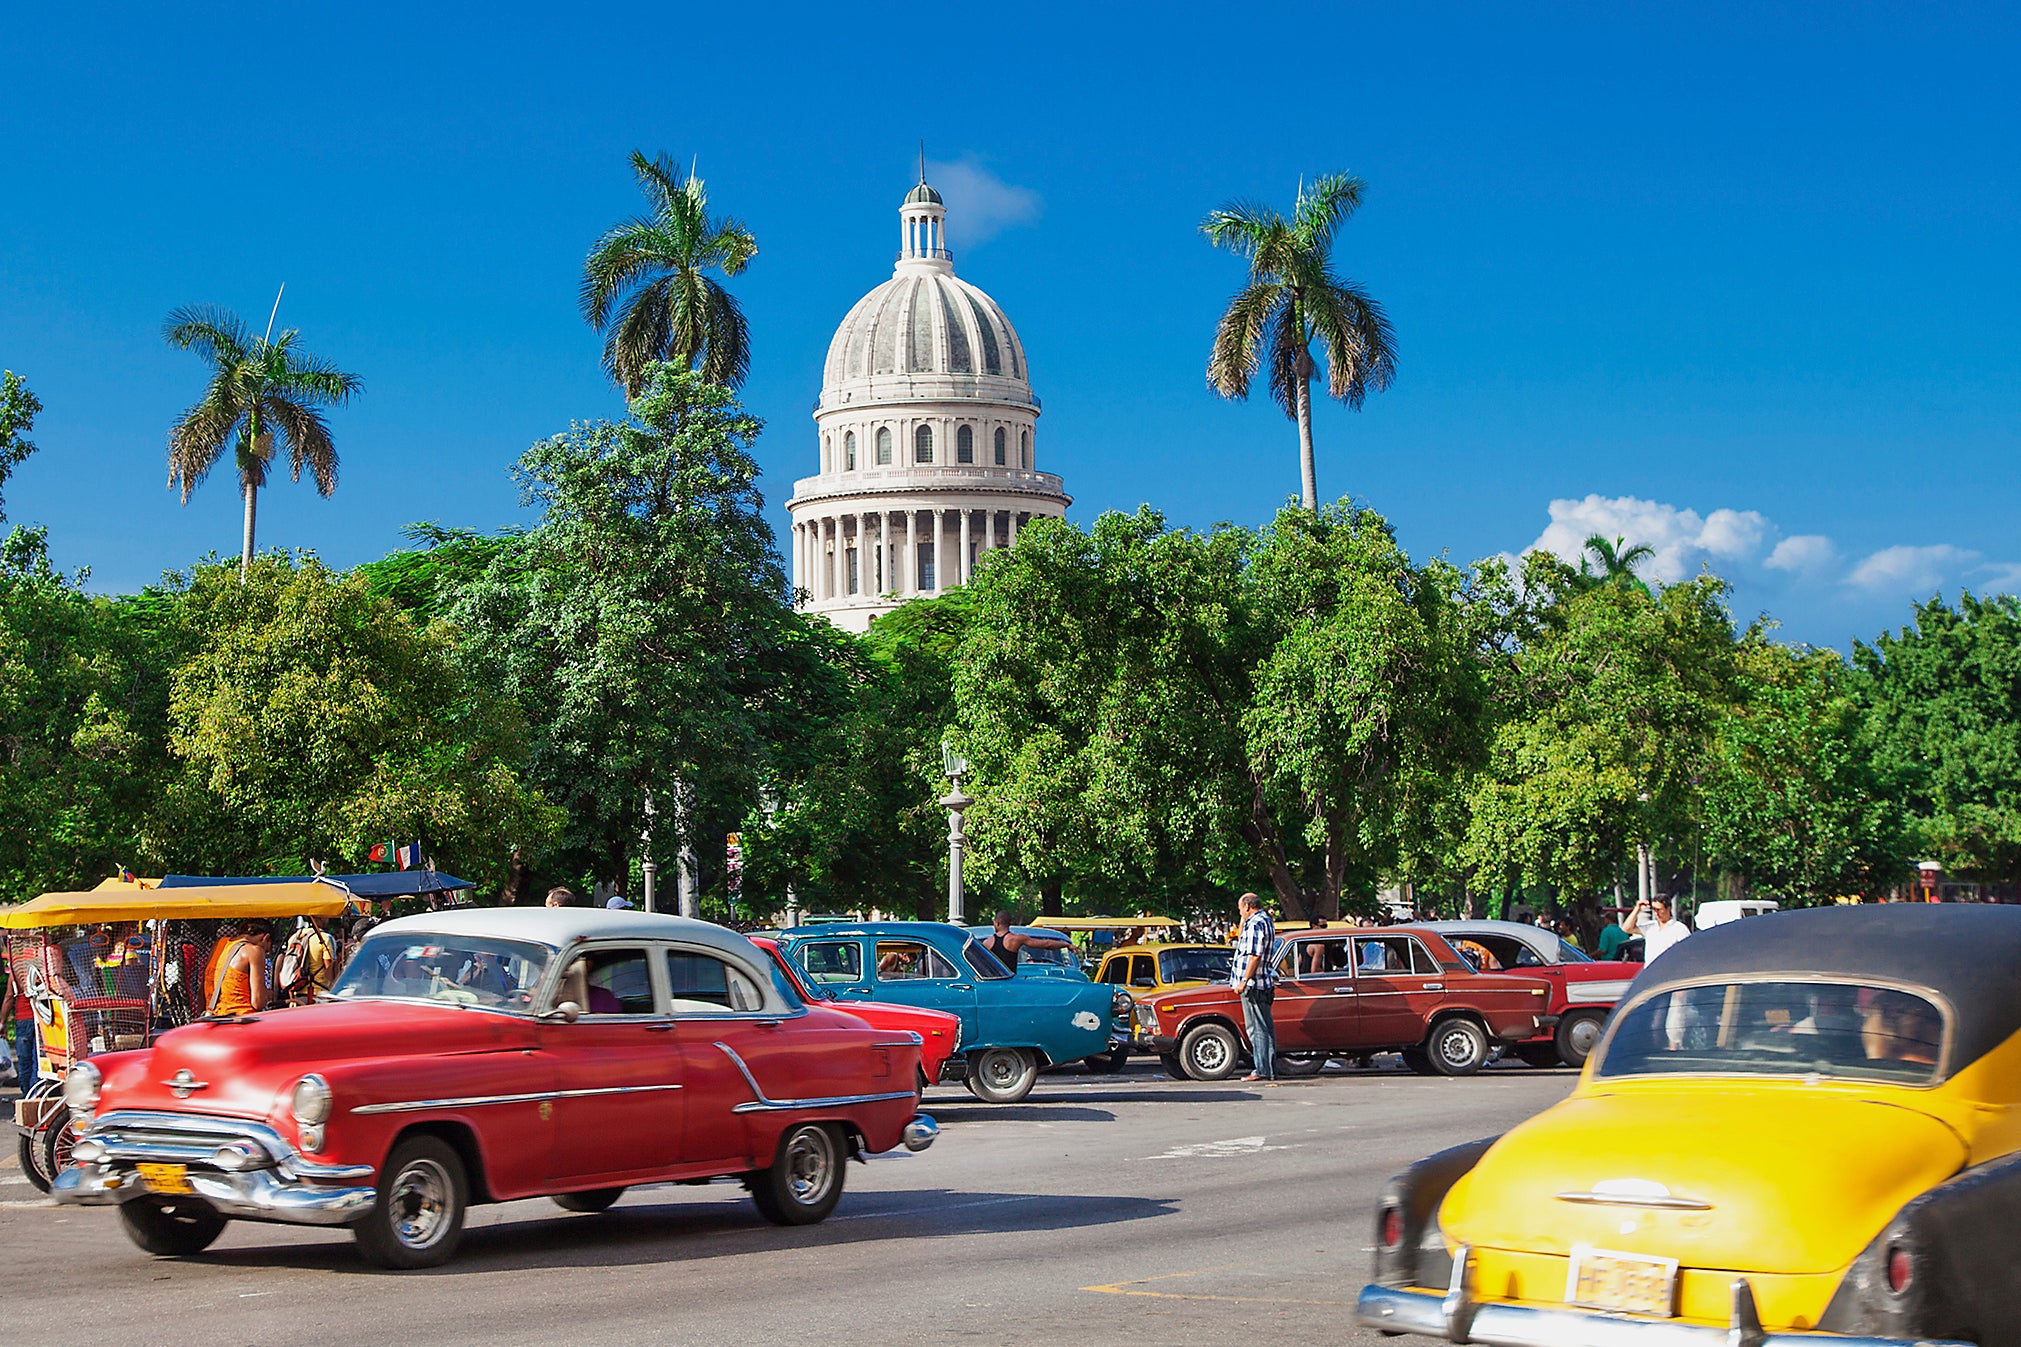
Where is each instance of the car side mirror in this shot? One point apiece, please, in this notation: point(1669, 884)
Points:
point(1144, 982)
point(568, 1012)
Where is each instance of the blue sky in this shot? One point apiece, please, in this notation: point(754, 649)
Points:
point(1740, 282)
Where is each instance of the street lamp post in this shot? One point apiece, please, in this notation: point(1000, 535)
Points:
point(956, 803)
point(646, 867)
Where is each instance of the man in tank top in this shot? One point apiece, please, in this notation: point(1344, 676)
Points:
point(1005, 943)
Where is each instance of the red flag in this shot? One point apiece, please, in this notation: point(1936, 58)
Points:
point(377, 853)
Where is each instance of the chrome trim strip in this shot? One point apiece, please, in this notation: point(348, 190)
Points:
point(112, 1130)
point(911, 1040)
point(480, 1100)
point(1630, 1200)
point(761, 1104)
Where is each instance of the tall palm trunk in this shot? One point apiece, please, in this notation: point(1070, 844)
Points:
point(249, 450)
point(252, 509)
point(1308, 470)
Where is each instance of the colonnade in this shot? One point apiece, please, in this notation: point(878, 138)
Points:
point(831, 560)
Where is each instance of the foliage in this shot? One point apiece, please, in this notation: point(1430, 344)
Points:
point(309, 720)
point(1943, 709)
point(426, 581)
point(644, 626)
point(1617, 562)
point(1292, 299)
point(1619, 692)
point(1792, 798)
point(18, 410)
point(258, 388)
point(83, 695)
point(646, 282)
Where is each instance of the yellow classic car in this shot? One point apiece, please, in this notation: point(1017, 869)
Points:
point(1156, 968)
point(1798, 1129)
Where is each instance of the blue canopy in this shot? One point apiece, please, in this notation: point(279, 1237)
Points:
point(388, 884)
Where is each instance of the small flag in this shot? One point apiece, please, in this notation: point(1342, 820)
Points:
point(408, 855)
point(377, 853)
point(125, 875)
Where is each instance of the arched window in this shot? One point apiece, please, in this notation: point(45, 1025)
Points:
point(884, 444)
point(1024, 448)
point(922, 445)
point(849, 451)
point(964, 445)
point(999, 446)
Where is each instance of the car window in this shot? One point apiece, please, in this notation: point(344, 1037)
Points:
point(1116, 970)
point(467, 970)
point(1382, 954)
point(1509, 952)
point(1571, 953)
point(1321, 958)
point(1143, 972)
point(832, 960)
point(1831, 1029)
point(985, 964)
point(702, 984)
point(1195, 965)
point(911, 960)
point(608, 982)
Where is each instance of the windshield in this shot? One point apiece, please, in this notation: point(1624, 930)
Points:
point(1849, 1031)
point(985, 964)
point(1194, 965)
point(1571, 953)
point(464, 970)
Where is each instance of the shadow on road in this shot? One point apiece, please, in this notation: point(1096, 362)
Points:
point(656, 1226)
point(1027, 1112)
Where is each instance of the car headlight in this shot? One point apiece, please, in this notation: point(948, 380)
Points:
point(1147, 1018)
point(1121, 1003)
point(81, 1085)
point(311, 1101)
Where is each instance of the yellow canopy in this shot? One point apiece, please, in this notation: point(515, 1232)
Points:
point(222, 901)
point(1101, 923)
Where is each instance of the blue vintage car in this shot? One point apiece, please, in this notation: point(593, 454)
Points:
point(1011, 1027)
point(1056, 963)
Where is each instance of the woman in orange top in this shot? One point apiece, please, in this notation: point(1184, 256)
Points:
point(243, 986)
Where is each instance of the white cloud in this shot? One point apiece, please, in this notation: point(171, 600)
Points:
point(980, 205)
point(1682, 539)
point(2001, 579)
point(1806, 553)
point(1909, 569)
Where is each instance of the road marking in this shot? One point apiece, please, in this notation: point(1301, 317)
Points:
point(1217, 1150)
point(1126, 1289)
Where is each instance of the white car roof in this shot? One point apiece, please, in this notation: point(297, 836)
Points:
point(558, 926)
point(1536, 937)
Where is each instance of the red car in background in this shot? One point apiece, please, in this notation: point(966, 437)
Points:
point(1349, 994)
point(1583, 989)
point(939, 1032)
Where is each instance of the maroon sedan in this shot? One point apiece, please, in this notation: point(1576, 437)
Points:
point(1349, 993)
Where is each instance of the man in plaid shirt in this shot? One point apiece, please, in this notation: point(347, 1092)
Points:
point(1254, 978)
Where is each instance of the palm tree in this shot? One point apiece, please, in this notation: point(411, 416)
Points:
point(258, 387)
point(646, 283)
point(1293, 299)
point(1617, 566)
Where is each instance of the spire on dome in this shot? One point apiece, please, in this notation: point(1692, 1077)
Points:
point(922, 216)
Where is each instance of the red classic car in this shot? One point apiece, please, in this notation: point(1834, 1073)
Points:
point(1351, 993)
point(482, 1056)
point(1583, 989)
point(939, 1032)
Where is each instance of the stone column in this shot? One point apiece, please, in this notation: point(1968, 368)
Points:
point(909, 576)
point(964, 546)
point(1013, 526)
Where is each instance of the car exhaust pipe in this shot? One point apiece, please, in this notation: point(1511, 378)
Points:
point(920, 1133)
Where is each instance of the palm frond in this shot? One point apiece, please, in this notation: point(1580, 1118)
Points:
point(307, 437)
point(1288, 339)
point(625, 255)
point(1239, 225)
point(659, 178)
point(1323, 207)
point(729, 245)
point(214, 332)
point(1355, 333)
point(1238, 339)
point(726, 339)
point(197, 439)
point(639, 335)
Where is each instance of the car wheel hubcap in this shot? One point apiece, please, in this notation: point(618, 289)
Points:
point(418, 1202)
point(1000, 1071)
point(1457, 1047)
point(1584, 1035)
point(1211, 1054)
point(810, 1159)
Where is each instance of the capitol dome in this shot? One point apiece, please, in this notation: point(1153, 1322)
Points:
point(926, 423)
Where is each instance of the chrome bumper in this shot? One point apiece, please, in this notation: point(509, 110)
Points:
point(268, 1181)
point(920, 1133)
point(1457, 1317)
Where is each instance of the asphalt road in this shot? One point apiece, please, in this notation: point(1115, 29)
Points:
point(1101, 1210)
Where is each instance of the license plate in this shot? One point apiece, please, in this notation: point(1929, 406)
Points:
point(165, 1178)
point(1628, 1283)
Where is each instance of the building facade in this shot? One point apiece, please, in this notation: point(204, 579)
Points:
point(927, 437)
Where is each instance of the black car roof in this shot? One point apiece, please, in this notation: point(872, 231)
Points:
point(1967, 953)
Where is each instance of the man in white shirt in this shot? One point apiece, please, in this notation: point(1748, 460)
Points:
point(1657, 936)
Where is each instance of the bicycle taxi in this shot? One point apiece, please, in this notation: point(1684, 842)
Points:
point(106, 969)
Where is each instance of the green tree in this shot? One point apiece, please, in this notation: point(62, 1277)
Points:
point(646, 284)
point(645, 627)
point(83, 695)
point(1943, 709)
point(1792, 801)
point(258, 388)
point(18, 409)
point(1292, 299)
point(310, 720)
point(1617, 562)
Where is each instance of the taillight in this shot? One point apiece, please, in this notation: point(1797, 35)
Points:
point(1901, 1269)
point(1389, 1228)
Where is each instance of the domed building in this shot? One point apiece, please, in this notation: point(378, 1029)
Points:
point(926, 425)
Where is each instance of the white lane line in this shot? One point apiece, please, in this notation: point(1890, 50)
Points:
point(1217, 1150)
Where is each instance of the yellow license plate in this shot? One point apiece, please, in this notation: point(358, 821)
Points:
point(1627, 1283)
point(165, 1178)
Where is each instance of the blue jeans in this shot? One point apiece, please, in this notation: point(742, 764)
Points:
point(1256, 1018)
point(24, 1054)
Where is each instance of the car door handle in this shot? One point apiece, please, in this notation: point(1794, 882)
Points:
point(1434, 987)
point(1343, 991)
point(659, 1028)
point(960, 987)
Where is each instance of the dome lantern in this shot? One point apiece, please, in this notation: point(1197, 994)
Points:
point(922, 236)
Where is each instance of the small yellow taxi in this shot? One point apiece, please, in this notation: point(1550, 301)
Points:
point(1153, 969)
point(1804, 1128)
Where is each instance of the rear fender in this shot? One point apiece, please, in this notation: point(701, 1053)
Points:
point(1421, 1258)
